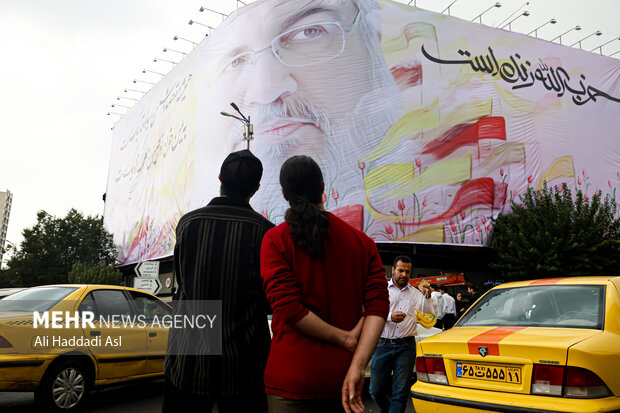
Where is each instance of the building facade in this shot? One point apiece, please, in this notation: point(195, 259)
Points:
point(6, 199)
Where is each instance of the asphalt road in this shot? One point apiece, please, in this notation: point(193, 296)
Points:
point(140, 397)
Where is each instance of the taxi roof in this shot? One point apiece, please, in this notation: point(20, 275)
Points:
point(562, 281)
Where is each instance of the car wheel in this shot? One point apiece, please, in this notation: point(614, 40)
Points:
point(64, 386)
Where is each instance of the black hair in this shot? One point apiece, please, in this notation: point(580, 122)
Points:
point(302, 186)
point(402, 258)
point(236, 195)
point(434, 287)
point(443, 288)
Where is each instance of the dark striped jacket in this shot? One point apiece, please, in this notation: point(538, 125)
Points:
point(217, 257)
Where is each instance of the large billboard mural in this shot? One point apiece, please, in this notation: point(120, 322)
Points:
point(425, 126)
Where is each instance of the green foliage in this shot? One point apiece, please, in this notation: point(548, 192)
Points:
point(50, 248)
point(553, 234)
point(94, 274)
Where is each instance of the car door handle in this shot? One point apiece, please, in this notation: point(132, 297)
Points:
point(152, 334)
point(95, 333)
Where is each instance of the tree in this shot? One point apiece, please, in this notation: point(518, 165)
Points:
point(553, 234)
point(94, 274)
point(50, 248)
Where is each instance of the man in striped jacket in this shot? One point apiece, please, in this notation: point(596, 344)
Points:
point(217, 258)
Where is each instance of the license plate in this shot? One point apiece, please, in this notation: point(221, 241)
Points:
point(488, 372)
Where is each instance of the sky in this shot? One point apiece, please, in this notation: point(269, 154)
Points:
point(65, 62)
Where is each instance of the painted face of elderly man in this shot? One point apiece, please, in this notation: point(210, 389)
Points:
point(313, 79)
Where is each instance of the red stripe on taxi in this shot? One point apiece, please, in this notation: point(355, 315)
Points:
point(490, 339)
point(550, 281)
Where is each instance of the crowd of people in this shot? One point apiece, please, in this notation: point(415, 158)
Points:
point(323, 280)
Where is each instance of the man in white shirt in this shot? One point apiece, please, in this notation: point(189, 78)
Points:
point(437, 298)
point(449, 306)
point(396, 351)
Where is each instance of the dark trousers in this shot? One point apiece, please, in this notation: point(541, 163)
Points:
point(448, 321)
point(178, 400)
point(391, 374)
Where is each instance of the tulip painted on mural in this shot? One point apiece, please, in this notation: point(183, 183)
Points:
point(462, 214)
point(424, 202)
point(335, 194)
point(478, 229)
point(418, 163)
point(452, 226)
point(578, 181)
point(361, 165)
point(401, 204)
point(389, 230)
point(529, 179)
point(501, 171)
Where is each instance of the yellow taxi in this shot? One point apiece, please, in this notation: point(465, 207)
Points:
point(540, 346)
point(62, 340)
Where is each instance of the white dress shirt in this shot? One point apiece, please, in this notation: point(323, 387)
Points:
point(437, 298)
point(449, 305)
point(406, 300)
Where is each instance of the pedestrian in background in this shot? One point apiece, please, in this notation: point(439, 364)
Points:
point(319, 273)
point(437, 298)
point(461, 305)
point(217, 257)
point(449, 307)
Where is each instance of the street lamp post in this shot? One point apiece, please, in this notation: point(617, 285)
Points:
point(448, 8)
point(202, 24)
point(143, 81)
point(600, 48)
point(150, 71)
point(513, 13)
point(187, 40)
point(133, 90)
point(213, 11)
point(597, 33)
point(498, 4)
point(568, 31)
point(173, 50)
point(157, 59)
point(509, 24)
point(535, 31)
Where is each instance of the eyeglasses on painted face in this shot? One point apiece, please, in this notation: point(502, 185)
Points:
point(301, 46)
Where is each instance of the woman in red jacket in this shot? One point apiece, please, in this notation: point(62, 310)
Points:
point(327, 287)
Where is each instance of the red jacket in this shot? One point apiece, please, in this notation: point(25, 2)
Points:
point(339, 287)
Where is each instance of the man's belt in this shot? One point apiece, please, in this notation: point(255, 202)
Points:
point(396, 340)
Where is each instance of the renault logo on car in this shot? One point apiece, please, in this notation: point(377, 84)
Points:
point(483, 351)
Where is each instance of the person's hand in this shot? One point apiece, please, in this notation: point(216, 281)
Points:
point(398, 316)
point(352, 336)
point(352, 390)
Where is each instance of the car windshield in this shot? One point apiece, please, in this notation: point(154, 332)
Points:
point(35, 299)
point(567, 306)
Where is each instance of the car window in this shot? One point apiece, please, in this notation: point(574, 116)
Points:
point(572, 306)
point(149, 306)
point(35, 299)
point(109, 303)
point(87, 304)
